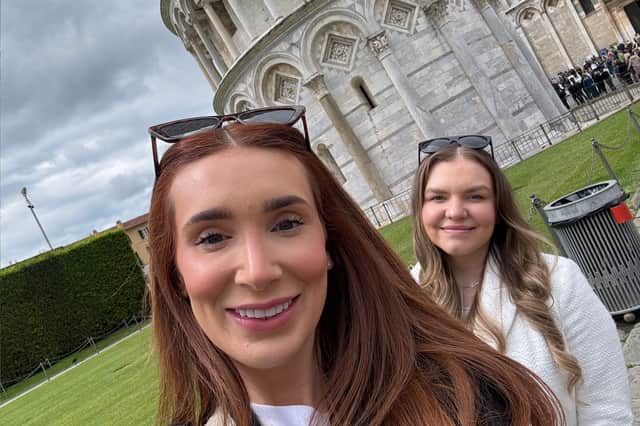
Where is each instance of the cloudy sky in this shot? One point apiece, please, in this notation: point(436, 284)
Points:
point(80, 83)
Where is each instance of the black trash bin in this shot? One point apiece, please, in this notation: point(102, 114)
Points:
point(595, 229)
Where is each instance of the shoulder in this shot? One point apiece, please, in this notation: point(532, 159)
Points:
point(415, 272)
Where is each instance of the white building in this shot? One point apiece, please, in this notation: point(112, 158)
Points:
point(376, 76)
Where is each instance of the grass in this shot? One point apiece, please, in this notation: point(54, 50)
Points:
point(557, 171)
point(116, 387)
point(64, 363)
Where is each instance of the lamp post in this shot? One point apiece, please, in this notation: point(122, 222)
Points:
point(23, 191)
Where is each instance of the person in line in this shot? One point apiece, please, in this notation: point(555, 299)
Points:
point(276, 302)
point(481, 262)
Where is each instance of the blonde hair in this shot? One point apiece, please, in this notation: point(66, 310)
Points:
point(514, 247)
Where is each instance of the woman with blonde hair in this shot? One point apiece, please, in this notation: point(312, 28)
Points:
point(275, 302)
point(481, 262)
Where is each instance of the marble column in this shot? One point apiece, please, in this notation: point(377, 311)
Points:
point(551, 29)
point(379, 45)
point(204, 61)
point(530, 81)
point(212, 83)
point(367, 169)
point(245, 26)
point(612, 22)
point(581, 27)
point(273, 9)
point(492, 100)
point(217, 59)
point(221, 29)
point(524, 46)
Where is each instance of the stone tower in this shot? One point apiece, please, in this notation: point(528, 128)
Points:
point(376, 76)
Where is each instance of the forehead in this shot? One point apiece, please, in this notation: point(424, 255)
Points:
point(238, 175)
point(459, 172)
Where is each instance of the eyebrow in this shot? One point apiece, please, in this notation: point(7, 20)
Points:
point(223, 213)
point(472, 189)
point(281, 202)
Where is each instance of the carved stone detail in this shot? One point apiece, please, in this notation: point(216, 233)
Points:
point(437, 11)
point(339, 50)
point(286, 89)
point(316, 84)
point(399, 14)
point(495, 4)
point(378, 43)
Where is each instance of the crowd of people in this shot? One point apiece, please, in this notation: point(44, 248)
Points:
point(598, 75)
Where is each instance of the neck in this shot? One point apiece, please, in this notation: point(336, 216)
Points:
point(295, 382)
point(469, 269)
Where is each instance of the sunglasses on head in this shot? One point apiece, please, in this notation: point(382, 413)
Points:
point(428, 147)
point(175, 131)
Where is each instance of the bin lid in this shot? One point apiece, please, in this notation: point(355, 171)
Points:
point(584, 201)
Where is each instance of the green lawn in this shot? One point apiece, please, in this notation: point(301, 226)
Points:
point(120, 386)
point(556, 171)
point(117, 387)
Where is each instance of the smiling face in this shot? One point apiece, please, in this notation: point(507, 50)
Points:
point(250, 246)
point(459, 213)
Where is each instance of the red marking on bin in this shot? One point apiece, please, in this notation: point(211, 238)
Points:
point(621, 213)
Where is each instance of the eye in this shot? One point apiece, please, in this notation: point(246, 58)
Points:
point(435, 197)
point(288, 224)
point(211, 238)
point(476, 197)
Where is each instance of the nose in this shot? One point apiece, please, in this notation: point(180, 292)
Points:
point(258, 265)
point(456, 210)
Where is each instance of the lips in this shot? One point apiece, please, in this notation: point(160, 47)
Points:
point(457, 228)
point(263, 311)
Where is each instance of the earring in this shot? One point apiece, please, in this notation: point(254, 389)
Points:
point(330, 263)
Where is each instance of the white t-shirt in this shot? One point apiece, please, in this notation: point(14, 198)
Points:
point(283, 415)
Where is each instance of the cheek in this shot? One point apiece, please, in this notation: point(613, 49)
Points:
point(429, 217)
point(202, 276)
point(308, 259)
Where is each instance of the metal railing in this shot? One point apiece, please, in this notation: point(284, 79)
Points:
point(524, 145)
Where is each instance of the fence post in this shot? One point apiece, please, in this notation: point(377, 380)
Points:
point(627, 91)
point(546, 135)
point(634, 119)
point(593, 110)
point(373, 212)
point(44, 371)
point(539, 205)
point(384, 206)
point(95, 348)
point(515, 148)
point(48, 362)
point(575, 120)
point(2, 387)
point(596, 148)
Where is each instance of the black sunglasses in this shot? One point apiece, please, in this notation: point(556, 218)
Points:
point(431, 146)
point(175, 131)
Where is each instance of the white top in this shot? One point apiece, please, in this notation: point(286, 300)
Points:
point(283, 415)
point(276, 415)
point(602, 398)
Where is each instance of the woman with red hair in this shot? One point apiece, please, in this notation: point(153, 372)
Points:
point(276, 302)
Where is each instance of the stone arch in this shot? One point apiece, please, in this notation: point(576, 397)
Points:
point(317, 27)
point(239, 102)
point(278, 71)
point(527, 9)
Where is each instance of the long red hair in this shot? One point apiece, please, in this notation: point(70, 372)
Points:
point(388, 353)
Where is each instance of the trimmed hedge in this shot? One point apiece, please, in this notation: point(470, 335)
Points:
point(51, 304)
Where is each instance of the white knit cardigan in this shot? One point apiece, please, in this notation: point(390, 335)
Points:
point(602, 397)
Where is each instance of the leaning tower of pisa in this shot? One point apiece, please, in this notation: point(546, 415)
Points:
point(376, 76)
